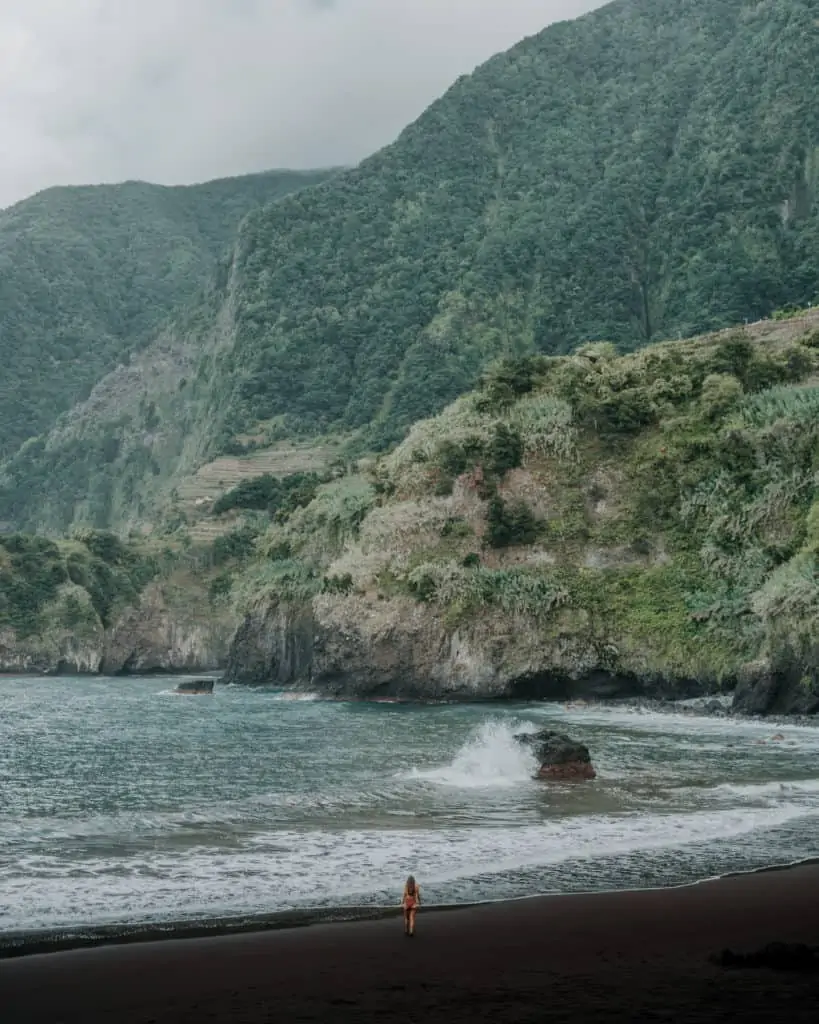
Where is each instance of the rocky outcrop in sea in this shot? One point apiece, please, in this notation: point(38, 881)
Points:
point(561, 758)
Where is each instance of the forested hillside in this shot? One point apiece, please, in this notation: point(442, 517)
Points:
point(646, 172)
point(87, 275)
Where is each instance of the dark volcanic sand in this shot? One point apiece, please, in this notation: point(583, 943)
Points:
point(637, 956)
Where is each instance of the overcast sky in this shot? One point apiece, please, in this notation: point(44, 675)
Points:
point(185, 90)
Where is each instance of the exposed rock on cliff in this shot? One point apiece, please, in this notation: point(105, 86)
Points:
point(155, 635)
point(765, 690)
point(359, 647)
point(273, 645)
point(158, 635)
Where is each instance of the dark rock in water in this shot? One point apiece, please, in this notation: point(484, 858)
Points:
point(561, 758)
point(196, 686)
point(777, 956)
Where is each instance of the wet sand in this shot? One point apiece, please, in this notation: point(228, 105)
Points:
point(631, 956)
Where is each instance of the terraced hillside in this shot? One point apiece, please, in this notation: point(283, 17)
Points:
point(195, 495)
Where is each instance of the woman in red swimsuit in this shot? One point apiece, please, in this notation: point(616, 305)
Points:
point(410, 902)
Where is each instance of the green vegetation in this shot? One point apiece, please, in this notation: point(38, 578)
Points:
point(236, 546)
point(509, 524)
point(278, 497)
point(646, 172)
point(106, 573)
point(609, 179)
point(88, 275)
point(659, 509)
point(467, 589)
point(674, 522)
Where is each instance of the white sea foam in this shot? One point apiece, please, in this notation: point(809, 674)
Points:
point(650, 720)
point(492, 757)
point(289, 869)
point(804, 790)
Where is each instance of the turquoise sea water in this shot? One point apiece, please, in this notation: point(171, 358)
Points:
point(121, 802)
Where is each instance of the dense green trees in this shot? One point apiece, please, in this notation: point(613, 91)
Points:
point(107, 572)
point(88, 275)
point(267, 493)
point(648, 171)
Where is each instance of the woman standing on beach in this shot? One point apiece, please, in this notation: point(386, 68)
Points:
point(410, 902)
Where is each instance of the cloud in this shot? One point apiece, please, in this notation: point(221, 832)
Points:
point(185, 90)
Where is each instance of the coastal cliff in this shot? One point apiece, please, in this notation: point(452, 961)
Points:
point(154, 635)
point(167, 631)
point(97, 605)
point(393, 648)
point(370, 647)
point(593, 525)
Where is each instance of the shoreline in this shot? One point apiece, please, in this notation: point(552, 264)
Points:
point(637, 955)
point(45, 941)
point(681, 706)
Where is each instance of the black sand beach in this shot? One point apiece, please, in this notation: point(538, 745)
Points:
point(628, 956)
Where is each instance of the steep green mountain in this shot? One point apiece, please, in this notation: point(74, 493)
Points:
point(88, 274)
point(646, 172)
point(586, 523)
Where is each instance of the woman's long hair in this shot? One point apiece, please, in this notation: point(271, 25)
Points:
point(411, 884)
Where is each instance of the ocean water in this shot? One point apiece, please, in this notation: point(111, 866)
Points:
point(122, 803)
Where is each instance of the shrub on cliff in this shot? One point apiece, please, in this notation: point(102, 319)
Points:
point(277, 496)
point(236, 545)
point(31, 572)
point(504, 451)
point(510, 523)
point(780, 404)
point(507, 380)
point(463, 589)
point(275, 583)
point(342, 584)
point(456, 457)
point(720, 393)
point(545, 423)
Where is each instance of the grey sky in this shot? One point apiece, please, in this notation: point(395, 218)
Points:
point(185, 90)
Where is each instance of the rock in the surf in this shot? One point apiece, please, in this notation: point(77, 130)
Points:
point(561, 758)
point(195, 686)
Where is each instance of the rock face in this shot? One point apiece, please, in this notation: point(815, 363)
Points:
point(763, 689)
point(60, 653)
point(362, 646)
point(274, 646)
point(157, 635)
point(561, 758)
